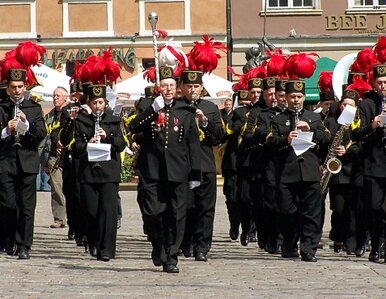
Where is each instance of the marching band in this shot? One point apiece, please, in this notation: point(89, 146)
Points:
point(279, 160)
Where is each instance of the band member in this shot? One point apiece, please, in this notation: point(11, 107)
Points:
point(202, 200)
point(297, 175)
point(344, 186)
point(228, 164)
point(372, 132)
point(99, 180)
point(269, 213)
point(22, 129)
point(170, 152)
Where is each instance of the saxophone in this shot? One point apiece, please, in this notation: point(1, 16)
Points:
point(332, 165)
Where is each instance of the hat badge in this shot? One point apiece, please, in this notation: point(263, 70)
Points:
point(282, 84)
point(166, 73)
point(192, 76)
point(243, 94)
point(350, 93)
point(256, 82)
point(298, 86)
point(16, 75)
point(382, 70)
point(97, 91)
point(271, 82)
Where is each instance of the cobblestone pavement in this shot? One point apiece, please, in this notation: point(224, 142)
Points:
point(59, 269)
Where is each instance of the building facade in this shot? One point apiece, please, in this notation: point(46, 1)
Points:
point(332, 29)
point(74, 29)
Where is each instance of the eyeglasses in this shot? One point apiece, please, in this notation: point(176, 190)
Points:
point(59, 96)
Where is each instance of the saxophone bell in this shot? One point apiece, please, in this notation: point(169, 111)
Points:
point(334, 165)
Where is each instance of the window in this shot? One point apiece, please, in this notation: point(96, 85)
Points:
point(87, 18)
point(367, 3)
point(367, 6)
point(173, 16)
point(291, 7)
point(12, 12)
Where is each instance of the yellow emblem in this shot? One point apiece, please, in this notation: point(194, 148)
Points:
point(381, 70)
point(166, 72)
point(244, 94)
point(257, 82)
point(192, 77)
point(16, 75)
point(282, 84)
point(298, 86)
point(271, 81)
point(97, 91)
point(350, 94)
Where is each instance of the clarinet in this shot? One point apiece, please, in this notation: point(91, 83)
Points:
point(96, 134)
point(17, 144)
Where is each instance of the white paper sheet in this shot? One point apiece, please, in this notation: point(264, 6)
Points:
point(98, 152)
point(347, 116)
point(302, 143)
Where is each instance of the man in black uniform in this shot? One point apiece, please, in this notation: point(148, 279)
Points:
point(228, 164)
point(269, 213)
point(373, 135)
point(298, 175)
point(22, 129)
point(202, 200)
point(170, 151)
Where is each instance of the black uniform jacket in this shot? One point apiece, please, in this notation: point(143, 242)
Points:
point(109, 172)
point(350, 160)
point(289, 167)
point(27, 156)
point(172, 151)
point(213, 134)
point(374, 152)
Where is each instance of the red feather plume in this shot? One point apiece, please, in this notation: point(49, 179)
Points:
point(325, 81)
point(257, 72)
point(203, 56)
point(29, 53)
point(276, 63)
point(366, 59)
point(9, 62)
point(380, 49)
point(300, 65)
point(360, 86)
point(150, 75)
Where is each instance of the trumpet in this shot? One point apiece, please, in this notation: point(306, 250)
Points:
point(96, 134)
point(17, 144)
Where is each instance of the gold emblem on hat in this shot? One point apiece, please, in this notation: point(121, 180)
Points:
point(298, 86)
point(16, 75)
point(256, 82)
point(97, 91)
point(243, 94)
point(350, 94)
point(271, 82)
point(382, 70)
point(192, 76)
point(282, 84)
point(166, 72)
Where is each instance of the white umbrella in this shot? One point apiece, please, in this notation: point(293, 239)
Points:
point(50, 79)
point(134, 87)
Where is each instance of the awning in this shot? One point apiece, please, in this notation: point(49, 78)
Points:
point(312, 90)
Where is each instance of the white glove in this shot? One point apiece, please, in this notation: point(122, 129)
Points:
point(158, 103)
point(194, 184)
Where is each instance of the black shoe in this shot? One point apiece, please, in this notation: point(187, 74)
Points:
point(105, 258)
point(93, 251)
point(156, 259)
point(23, 253)
point(360, 251)
point(244, 239)
point(289, 253)
point(11, 248)
point(374, 256)
point(309, 257)
point(200, 257)
point(187, 252)
point(233, 233)
point(338, 247)
point(170, 269)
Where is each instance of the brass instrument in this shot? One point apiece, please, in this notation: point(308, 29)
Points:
point(332, 165)
point(96, 134)
point(17, 144)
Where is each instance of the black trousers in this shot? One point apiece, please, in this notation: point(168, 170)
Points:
point(229, 190)
point(244, 199)
point(164, 212)
point(300, 215)
point(100, 206)
point(375, 191)
point(200, 214)
point(71, 191)
point(17, 207)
